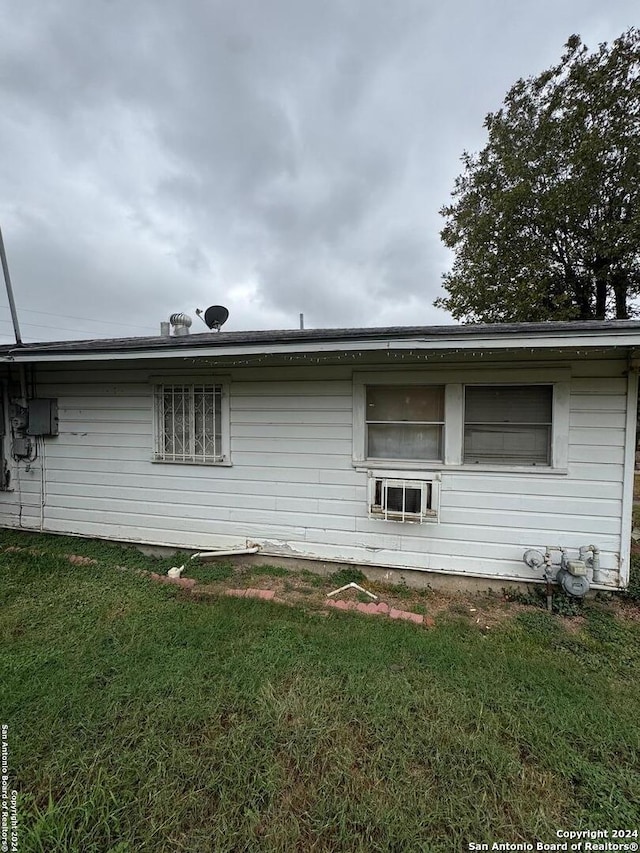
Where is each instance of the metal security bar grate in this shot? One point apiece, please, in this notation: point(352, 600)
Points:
point(188, 423)
point(401, 500)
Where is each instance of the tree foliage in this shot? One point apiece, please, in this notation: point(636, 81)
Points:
point(545, 220)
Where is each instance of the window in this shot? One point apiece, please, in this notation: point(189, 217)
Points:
point(508, 424)
point(400, 499)
point(191, 423)
point(482, 418)
point(404, 421)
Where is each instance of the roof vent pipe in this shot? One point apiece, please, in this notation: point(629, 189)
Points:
point(165, 329)
point(181, 324)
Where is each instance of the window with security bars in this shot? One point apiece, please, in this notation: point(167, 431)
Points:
point(189, 423)
point(404, 421)
point(508, 424)
point(399, 499)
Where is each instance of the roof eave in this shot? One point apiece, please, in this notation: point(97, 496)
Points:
point(548, 340)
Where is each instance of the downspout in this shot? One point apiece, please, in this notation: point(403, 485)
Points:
point(22, 372)
point(631, 422)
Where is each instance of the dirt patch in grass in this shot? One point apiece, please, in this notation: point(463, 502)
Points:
point(624, 608)
point(308, 590)
point(483, 611)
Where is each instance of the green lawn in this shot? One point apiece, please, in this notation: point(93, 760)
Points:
point(143, 719)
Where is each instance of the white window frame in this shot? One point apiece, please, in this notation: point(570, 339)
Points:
point(559, 451)
point(360, 382)
point(193, 383)
point(440, 423)
point(429, 511)
point(493, 385)
point(455, 380)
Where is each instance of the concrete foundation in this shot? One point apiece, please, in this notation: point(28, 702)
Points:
point(410, 577)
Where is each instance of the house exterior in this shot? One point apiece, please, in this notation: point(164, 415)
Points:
point(449, 449)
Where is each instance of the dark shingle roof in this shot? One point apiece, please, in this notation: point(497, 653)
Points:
point(293, 336)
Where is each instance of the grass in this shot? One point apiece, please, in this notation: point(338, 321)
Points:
point(209, 572)
point(633, 590)
point(312, 579)
point(142, 719)
point(561, 603)
point(265, 572)
point(347, 575)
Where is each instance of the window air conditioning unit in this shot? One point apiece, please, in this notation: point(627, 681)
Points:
point(399, 498)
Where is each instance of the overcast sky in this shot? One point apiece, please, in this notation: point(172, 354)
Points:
point(275, 156)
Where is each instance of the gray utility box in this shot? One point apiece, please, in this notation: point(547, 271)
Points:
point(43, 417)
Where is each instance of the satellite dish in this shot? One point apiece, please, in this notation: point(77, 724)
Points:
point(216, 316)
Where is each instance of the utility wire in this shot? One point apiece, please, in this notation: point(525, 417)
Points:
point(58, 328)
point(87, 319)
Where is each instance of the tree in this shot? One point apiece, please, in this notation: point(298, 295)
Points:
point(545, 220)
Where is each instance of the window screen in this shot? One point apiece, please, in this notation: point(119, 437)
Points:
point(508, 424)
point(404, 422)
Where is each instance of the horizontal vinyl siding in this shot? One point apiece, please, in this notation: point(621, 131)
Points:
point(101, 481)
point(292, 486)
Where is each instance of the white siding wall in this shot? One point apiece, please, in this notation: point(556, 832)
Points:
point(292, 486)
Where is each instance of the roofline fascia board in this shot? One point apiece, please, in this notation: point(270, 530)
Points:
point(623, 338)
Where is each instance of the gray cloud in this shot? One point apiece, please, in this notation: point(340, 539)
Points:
point(276, 157)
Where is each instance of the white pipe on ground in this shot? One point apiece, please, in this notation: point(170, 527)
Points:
point(253, 550)
point(352, 585)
